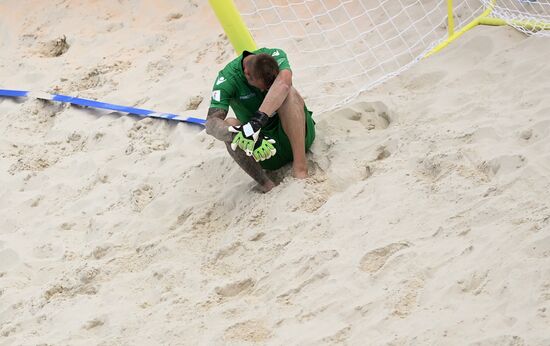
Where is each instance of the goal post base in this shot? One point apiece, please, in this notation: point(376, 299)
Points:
point(484, 19)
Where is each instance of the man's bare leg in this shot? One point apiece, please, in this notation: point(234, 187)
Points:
point(248, 164)
point(293, 120)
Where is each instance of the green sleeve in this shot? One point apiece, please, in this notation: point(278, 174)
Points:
point(222, 91)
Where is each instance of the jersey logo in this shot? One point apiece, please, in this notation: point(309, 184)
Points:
point(246, 97)
point(220, 80)
point(275, 53)
point(216, 95)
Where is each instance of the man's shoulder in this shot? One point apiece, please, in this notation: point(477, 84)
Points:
point(232, 69)
point(279, 55)
point(227, 76)
point(274, 52)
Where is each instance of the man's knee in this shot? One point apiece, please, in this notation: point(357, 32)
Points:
point(294, 99)
point(233, 121)
point(293, 105)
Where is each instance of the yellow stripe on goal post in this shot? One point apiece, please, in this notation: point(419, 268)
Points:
point(459, 33)
point(526, 24)
point(233, 25)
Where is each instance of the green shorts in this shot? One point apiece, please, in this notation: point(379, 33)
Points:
point(284, 150)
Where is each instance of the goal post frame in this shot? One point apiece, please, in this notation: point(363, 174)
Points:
point(236, 30)
point(483, 19)
point(233, 25)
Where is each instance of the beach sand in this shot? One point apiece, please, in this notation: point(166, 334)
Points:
point(425, 220)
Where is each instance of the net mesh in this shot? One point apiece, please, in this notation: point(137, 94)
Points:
point(340, 48)
point(529, 16)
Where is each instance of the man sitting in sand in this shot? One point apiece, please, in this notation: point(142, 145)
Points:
point(273, 125)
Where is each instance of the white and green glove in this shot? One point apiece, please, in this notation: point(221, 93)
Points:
point(264, 149)
point(247, 135)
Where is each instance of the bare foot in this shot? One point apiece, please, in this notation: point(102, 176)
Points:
point(267, 186)
point(299, 174)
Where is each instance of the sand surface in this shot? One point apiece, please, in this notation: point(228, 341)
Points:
point(425, 220)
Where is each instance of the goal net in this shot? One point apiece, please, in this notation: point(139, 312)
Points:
point(529, 16)
point(340, 48)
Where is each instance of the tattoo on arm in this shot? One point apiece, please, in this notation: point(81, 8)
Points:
point(216, 125)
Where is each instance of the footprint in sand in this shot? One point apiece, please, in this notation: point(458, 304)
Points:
point(184, 215)
point(372, 115)
point(373, 260)
point(94, 323)
point(193, 102)
point(545, 292)
point(227, 251)
point(173, 16)
point(54, 48)
point(502, 165)
point(8, 329)
point(483, 134)
point(407, 297)
point(47, 250)
point(99, 252)
point(235, 288)
point(338, 338)
point(535, 133)
point(248, 331)
point(368, 115)
point(430, 167)
point(159, 68)
point(382, 153)
point(141, 197)
point(508, 340)
point(87, 275)
point(385, 150)
point(228, 260)
point(309, 270)
point(474, 283)
point(145, 138)
point(220, 48)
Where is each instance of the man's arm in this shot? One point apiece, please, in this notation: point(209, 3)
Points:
point(277, 93)
point(216, 125)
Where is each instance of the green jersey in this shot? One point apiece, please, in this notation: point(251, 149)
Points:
point(232, 90)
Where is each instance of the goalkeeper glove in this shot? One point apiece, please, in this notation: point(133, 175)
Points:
point(264, 149)
point(247, 135)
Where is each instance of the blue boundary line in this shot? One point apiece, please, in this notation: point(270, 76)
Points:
point(101, 105)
